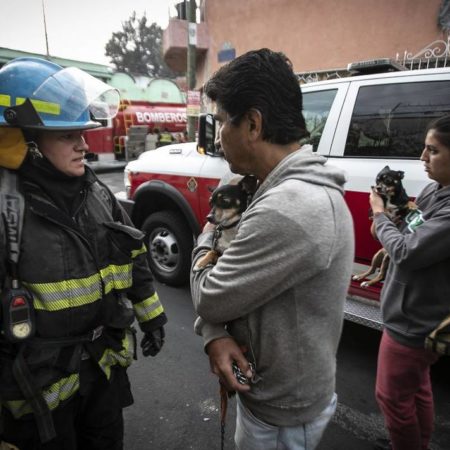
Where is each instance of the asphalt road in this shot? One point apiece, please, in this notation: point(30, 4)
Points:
point(177, 398)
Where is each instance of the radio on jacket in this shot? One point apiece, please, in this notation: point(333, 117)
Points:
point(18, 314)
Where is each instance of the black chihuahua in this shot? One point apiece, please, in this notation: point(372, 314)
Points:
point(227, 202)
point(396, 201)
point(396, 206)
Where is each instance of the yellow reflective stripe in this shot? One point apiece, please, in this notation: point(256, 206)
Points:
point(42, 106)
point(53, 396)
point(5, 100)
point(65, 294)
point(117, 277)
point(124, 358)
point(82, 291)
point(135, 253)
point(148, 309)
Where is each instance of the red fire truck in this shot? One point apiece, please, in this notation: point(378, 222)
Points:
point(109, 141)
point(360, 124)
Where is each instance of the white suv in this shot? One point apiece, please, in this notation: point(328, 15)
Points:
point(359, 123)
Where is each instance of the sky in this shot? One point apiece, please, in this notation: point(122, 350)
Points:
point(76, 29)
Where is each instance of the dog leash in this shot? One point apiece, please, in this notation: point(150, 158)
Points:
point(224, 396)
point(223, 413)
point(220, 228)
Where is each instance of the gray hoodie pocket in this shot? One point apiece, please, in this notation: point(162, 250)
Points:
point(395, 306)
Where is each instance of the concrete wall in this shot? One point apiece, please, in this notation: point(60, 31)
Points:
point(319, 34)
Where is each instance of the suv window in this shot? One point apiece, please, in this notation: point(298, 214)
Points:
point(316, 107)
point(389, 120)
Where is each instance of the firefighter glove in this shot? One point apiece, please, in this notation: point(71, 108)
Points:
point(152, 342)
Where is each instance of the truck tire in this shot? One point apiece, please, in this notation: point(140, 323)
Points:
point(169, 247)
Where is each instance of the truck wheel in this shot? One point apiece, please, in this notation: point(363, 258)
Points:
point(169, 247)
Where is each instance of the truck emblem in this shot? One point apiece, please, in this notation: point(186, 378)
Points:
point(192, 185)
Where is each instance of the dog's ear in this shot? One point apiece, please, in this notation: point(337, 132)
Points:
point(386, 168)
point(400, 174)
point(249, 184)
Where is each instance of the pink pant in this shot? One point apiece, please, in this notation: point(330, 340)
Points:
point(403, 392)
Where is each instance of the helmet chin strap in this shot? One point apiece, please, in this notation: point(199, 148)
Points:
point(23, 115)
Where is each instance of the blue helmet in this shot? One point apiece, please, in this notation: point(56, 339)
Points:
point(38, 94)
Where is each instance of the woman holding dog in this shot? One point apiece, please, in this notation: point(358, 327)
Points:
point(414, 298)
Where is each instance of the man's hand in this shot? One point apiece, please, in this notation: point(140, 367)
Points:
point(222, 352)
point(152, 342)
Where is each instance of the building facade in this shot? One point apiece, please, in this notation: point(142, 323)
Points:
point(319, 36)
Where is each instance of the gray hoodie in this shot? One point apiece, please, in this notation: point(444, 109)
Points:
point(415, 296)
point(279, 289)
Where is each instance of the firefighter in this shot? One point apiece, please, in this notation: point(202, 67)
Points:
point(164, 138)
point(80, 276)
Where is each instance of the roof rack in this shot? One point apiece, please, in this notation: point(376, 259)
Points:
point(374, 66)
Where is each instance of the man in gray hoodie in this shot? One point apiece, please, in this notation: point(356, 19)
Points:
point(275, 297)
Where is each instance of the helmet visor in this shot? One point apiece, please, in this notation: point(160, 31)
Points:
point(71, 92)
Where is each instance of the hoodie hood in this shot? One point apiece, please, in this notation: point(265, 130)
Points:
point(306, 166)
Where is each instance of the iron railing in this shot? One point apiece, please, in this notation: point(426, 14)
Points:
point(435, 54)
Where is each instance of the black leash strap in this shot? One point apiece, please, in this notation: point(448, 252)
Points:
point(33, 395)
point(224, 396)
point(223, 414)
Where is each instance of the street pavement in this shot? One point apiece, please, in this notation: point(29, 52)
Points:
point(177, 398)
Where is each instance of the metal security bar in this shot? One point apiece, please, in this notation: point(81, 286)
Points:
point(436, 54)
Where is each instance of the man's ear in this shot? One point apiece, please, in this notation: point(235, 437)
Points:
point(254, 120)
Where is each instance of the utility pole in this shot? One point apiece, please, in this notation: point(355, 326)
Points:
point(191, 63)
point(45, 30)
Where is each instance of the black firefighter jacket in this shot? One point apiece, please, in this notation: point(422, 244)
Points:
point(79, 271)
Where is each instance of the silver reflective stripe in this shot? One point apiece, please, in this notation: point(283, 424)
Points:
point(149, 308)
point(53, 395)
point(66, 294)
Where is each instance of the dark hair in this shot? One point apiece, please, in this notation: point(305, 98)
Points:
point(441, 126)
point(262, 80)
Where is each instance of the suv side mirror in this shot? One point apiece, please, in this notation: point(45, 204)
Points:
point(207, 135)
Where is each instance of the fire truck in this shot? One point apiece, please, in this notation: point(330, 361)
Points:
point(109, 141)
point(360, 124)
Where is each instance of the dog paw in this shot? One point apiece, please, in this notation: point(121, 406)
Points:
point(208, 260)
point(198, 268)
point(357, 277)
point(365, 284)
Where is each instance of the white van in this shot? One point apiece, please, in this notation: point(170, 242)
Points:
point(359, 123)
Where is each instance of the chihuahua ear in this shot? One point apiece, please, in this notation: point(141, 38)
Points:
point(400, 174)
point(249, 184)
